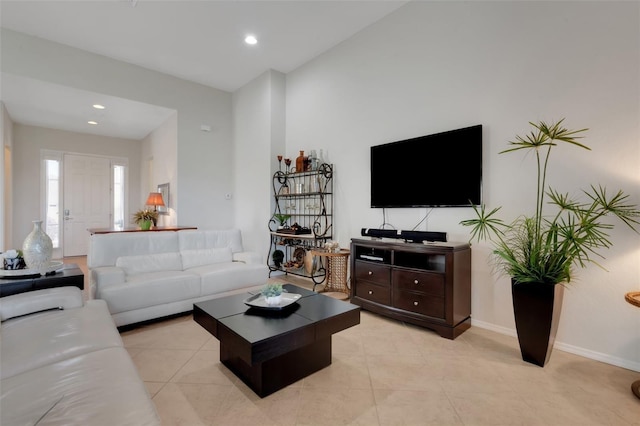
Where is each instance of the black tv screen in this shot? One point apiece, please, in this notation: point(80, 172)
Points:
point(438, 170)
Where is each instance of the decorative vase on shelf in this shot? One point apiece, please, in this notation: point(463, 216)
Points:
point(145, 225)
point(300, 163)
point(37, 248)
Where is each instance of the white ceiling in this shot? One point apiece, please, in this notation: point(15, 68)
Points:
point(200, 41)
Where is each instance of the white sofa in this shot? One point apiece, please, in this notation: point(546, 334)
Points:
point(153, 274)
point(62, 362)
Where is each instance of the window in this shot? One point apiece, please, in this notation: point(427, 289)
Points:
point(118, 196)
point(52, 200)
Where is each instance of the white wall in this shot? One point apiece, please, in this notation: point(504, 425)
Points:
point(258, 114)
point(436, 66)
point(29, 141)
point(160, 147)
point(6, 179)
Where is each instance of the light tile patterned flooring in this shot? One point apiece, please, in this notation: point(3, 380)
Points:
point(384, 372)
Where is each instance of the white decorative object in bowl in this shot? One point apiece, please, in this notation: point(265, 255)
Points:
point(273, 300)
point(37, 248)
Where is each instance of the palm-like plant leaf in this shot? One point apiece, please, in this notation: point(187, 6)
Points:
point(544, 248)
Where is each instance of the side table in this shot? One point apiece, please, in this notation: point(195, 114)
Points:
point(336, 272)
point(69, 275)
point(634, 298)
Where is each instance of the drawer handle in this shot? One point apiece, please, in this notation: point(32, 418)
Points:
point(370, 291)
point(370, 273)
point(415, 303)
point(416, 282)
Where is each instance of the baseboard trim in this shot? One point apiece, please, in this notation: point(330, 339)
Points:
point(597, 356)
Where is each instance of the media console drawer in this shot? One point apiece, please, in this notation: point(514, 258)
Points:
point(375, 293)
point(419, 303)
point(375, 273)
point(423, 284)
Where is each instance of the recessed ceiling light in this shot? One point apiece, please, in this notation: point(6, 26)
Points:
point(98, 106)
point(95, 123)
point(250, 39)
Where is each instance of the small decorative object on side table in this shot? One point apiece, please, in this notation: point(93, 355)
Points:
point(144, 218)
point(12, 260)
point(37, 248)
point(272, 293)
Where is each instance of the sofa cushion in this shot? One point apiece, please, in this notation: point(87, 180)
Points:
point(196, 239)
point(150, 289)
point(223, 277)
point(104, 249)
point(141, 264)
point(36, 340)
point(201, 257)
point(40, 300)
point(97, 388)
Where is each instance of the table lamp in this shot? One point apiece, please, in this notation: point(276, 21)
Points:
point(155, 200)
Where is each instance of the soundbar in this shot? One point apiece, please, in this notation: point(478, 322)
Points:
point(380, 233)
point(413, 236)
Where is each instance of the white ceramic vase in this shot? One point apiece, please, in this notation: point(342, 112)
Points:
point(37, 248)
point(273, 300)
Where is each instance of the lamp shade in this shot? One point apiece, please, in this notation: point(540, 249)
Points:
point(155, 199)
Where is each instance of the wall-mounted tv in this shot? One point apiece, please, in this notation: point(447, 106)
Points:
point(438, 170)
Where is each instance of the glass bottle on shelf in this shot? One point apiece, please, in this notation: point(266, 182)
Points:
point(313, 159)
point(300, 162)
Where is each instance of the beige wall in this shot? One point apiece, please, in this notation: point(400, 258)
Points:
point(158, 166)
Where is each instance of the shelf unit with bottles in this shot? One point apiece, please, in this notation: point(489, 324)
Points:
point(307, 199)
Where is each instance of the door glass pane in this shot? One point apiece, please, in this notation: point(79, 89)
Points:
point(52, 184)
point(118, 196)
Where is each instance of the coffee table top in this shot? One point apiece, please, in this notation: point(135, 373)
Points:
point(255, 325)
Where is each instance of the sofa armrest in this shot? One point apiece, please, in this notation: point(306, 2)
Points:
point(247, 257)
point(104, 276)
point(40, 300)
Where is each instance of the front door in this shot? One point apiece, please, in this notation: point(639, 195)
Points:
point(87, 200)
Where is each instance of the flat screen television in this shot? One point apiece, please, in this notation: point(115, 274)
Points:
point(438, 170)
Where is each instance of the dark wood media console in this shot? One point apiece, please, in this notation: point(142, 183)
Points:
point(423, 284)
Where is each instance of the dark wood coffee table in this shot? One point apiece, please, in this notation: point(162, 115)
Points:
point(269, 350)
point(69, 275)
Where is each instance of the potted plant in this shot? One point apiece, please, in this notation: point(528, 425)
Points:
point(282, 219)
point(278, 257)
point(541, 251)
point(144, 218)
point(272, 293)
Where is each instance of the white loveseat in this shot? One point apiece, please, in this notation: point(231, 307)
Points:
point(153, 274)
point(62, 362)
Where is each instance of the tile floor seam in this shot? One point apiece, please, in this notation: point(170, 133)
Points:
point(181, 367)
